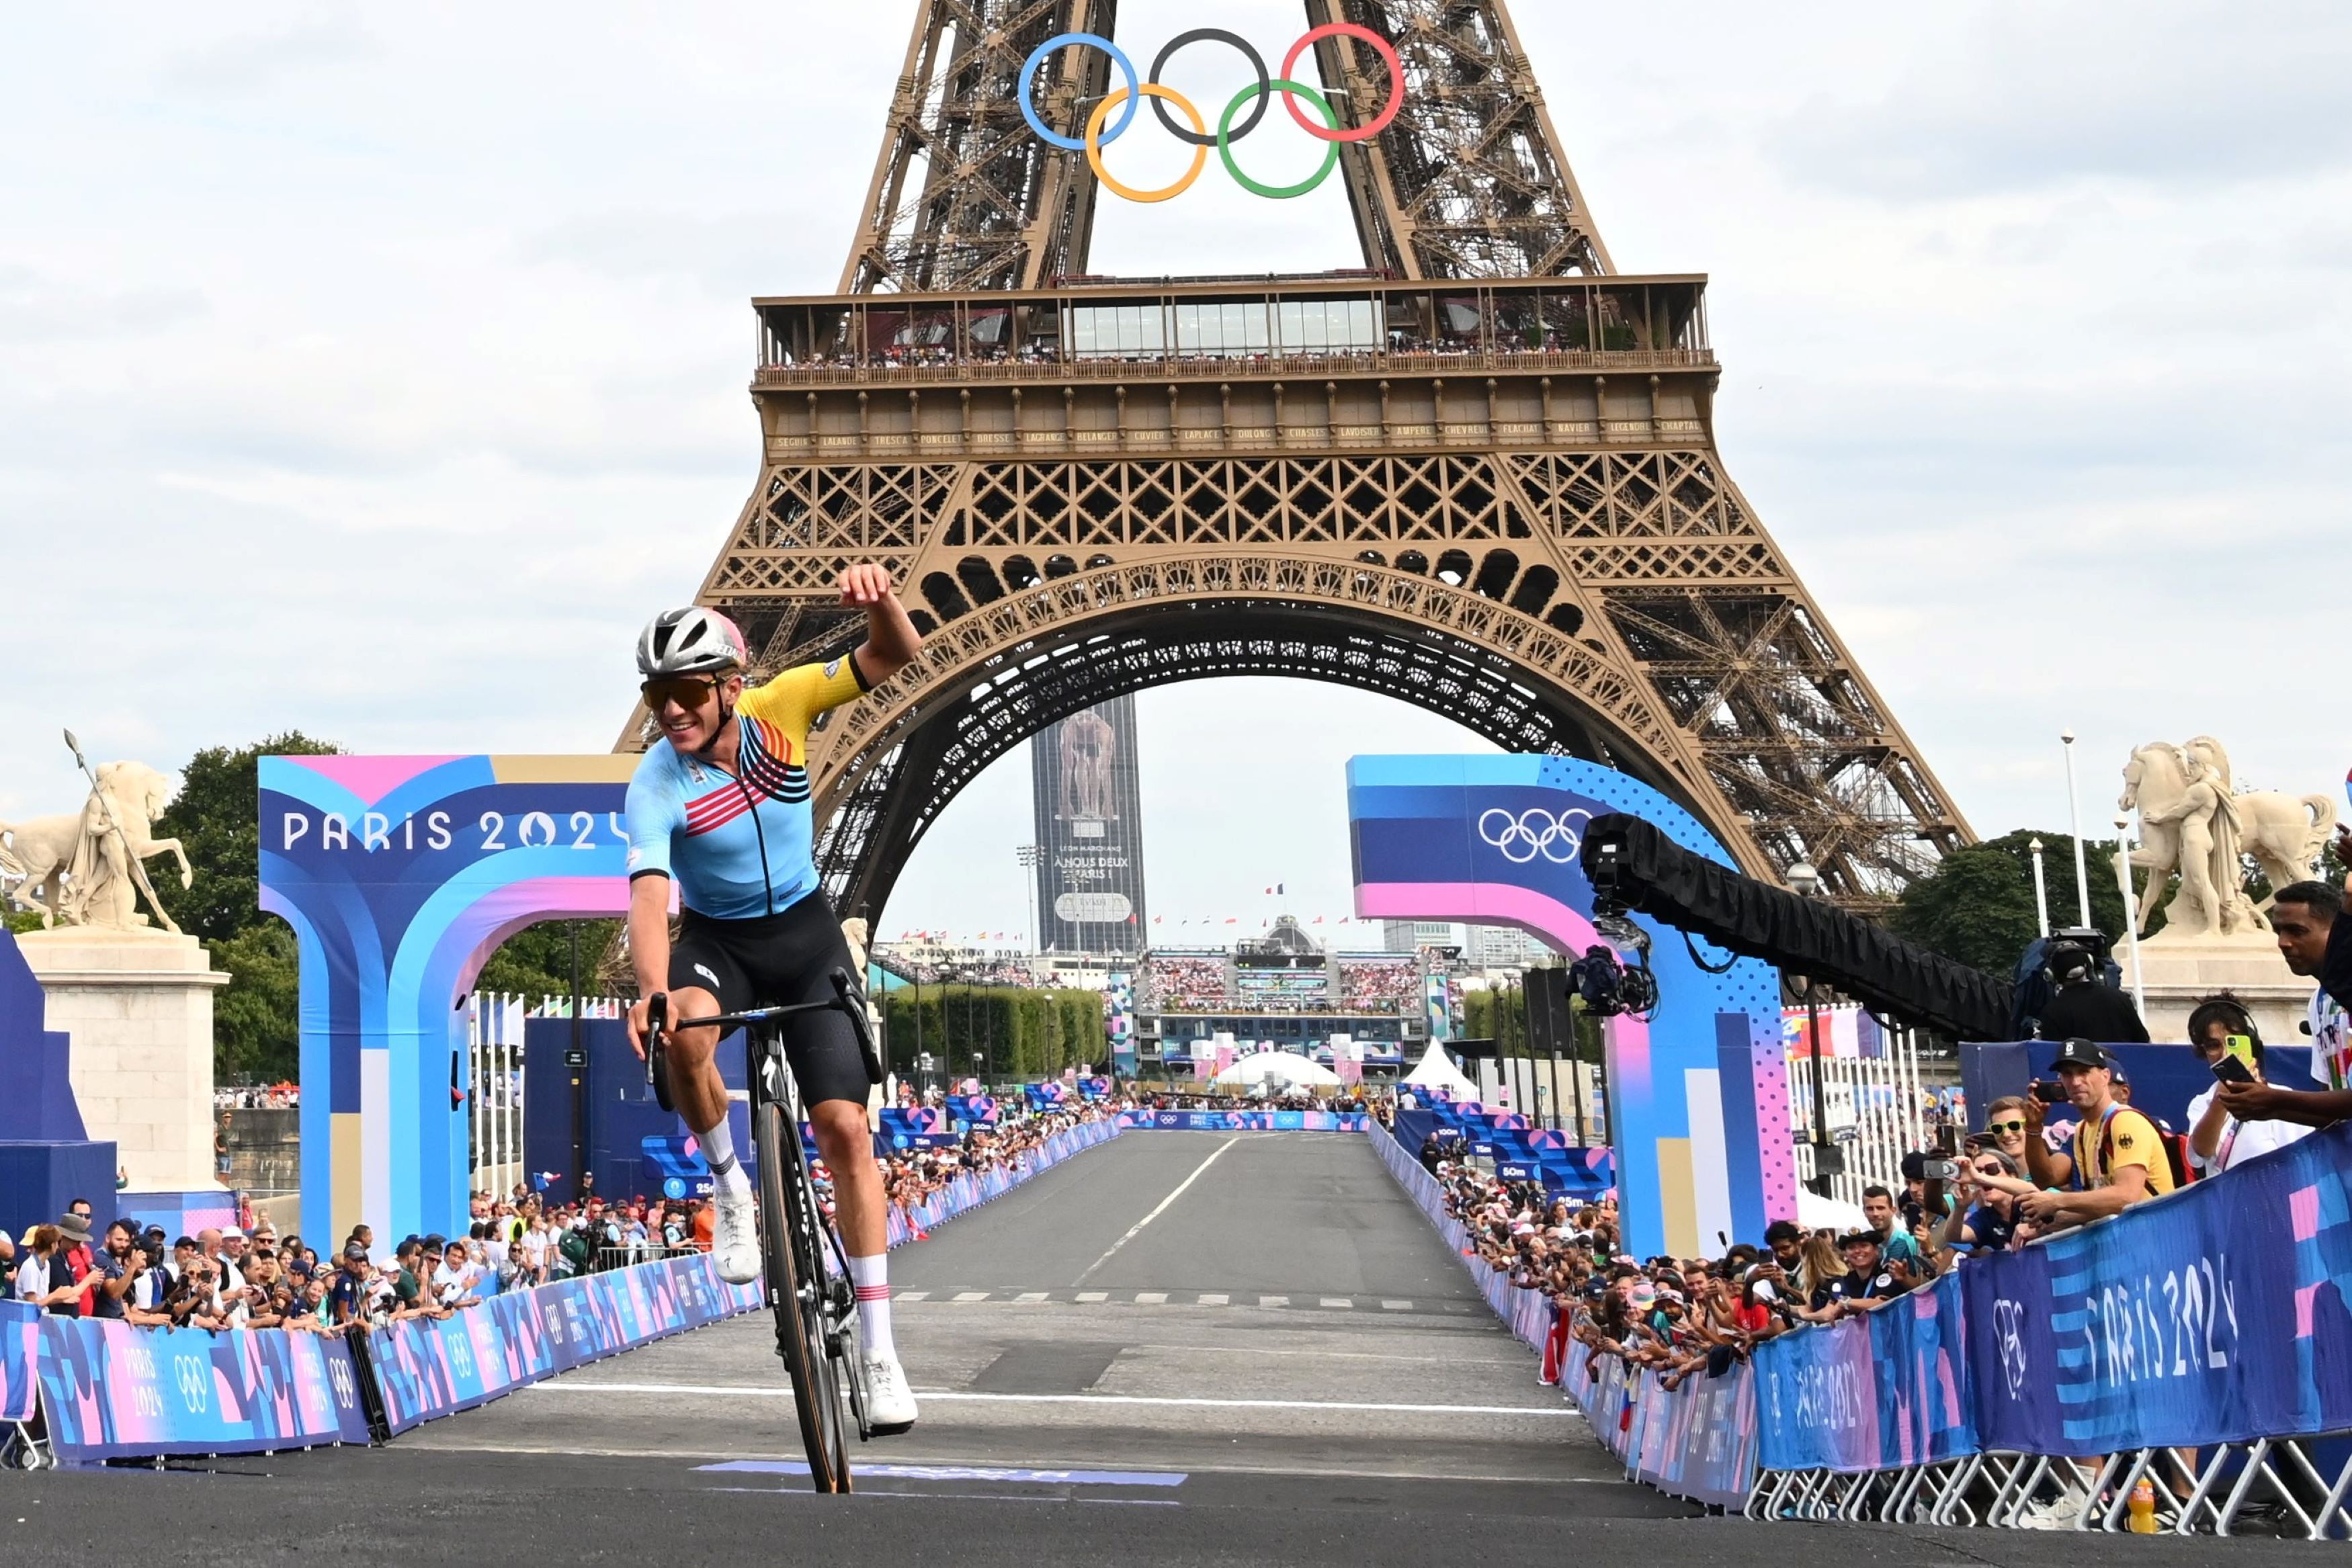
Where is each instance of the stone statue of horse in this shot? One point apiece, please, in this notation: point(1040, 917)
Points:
point(76, 863)
point(2285, 833)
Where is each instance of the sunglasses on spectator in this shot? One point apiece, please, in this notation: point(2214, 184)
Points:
point(1997, 1128)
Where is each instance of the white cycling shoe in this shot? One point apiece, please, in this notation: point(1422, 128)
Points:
point(735, 1237)
point(889, 1403)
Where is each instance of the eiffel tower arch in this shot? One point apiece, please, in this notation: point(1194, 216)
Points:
point(1479, 474)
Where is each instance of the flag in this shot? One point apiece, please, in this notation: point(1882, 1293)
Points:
point(1276, 888)
point(1318, 920)
point(1159, 920)
point(1233, 920)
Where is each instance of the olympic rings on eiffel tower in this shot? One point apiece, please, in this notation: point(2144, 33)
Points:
point(1126, 98)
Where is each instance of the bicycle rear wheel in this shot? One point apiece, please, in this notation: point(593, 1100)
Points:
point(797, 1292)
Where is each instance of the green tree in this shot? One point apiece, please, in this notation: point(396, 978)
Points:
point(536, 961)
point(254, 1032)
point(1977, 908)
point(217, 817)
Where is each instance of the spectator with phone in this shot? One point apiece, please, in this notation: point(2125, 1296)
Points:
point(1983, 1218)
point(2116, 1159)
point(2224, 1037)
point(2318, 945)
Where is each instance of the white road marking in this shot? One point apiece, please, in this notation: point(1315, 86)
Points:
point(1150, 1298)
point(1094, 1295)
point(1216, 1301)
point(1396, 1306)
point(1273, 1301)
point(911, 1295)
point(754, 1391)
point(971, 1295)
point(1156, 1213)
point(1341, 1302)
point(1030, 1296)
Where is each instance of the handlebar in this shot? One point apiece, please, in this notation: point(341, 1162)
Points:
point(847, 997)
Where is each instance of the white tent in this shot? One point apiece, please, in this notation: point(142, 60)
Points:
point(1278, 1069)
point(1436, 1071)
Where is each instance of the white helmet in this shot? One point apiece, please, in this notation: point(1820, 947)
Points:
point(690, 642)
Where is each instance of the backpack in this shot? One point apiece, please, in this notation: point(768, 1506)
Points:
point(2172, 1143)
point(575, 1250)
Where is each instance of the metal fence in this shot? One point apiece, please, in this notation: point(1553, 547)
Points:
point(1875, 1112)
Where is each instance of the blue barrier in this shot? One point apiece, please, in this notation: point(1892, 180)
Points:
point(968, 1192)
point(1697, 1441)
point(1885, 1392)
point(428, 1367)
point(1247, 1121)
point(112, 1390)
point(20, 1359)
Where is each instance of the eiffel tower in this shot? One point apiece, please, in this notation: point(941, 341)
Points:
point(1478, 474)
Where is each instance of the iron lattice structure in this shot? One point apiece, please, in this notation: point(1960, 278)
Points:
point(1480, 477)
point(1468, 180)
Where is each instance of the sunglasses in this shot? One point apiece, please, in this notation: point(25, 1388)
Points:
point(1999, 1127)
point(688, 692)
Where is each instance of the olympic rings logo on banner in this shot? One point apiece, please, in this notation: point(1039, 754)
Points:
point(195, 1380)
point(1127, 100)
point(1528, 833)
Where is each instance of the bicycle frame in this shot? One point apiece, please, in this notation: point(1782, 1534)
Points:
point(805, 1264)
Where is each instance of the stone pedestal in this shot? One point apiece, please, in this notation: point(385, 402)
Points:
point(2177, 975)
point(139, 1005)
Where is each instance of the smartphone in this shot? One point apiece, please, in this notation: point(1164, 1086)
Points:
point(2242, 1046)
point(1939, 1170)
point(2050, 1094)
point(2230, 1070)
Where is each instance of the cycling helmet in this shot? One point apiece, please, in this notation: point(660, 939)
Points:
point(690, 642)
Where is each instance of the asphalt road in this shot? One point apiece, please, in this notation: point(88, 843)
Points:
point(1182, 1348)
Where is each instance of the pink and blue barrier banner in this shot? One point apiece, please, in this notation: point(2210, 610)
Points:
point(1247, 1121)
point(1697, 1441)
point(112, 1390)
point(970, 1191)
point(1886, 1392)
point(426, 1368)
point(20, 1359)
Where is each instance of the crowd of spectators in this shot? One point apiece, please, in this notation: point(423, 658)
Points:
point(1379, 985)
point(259, 1097)
point(1174, 983)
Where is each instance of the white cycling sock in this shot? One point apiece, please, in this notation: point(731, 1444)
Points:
point(871, 1276)
point(718, 1149)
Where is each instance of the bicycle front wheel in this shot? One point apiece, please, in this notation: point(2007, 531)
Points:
point(797, 1292)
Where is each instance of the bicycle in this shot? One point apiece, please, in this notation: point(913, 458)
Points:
point(810, 1294)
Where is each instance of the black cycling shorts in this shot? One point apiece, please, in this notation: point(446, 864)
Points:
point(781, 960)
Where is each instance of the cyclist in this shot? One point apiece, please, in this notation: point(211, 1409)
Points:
point(721, 806)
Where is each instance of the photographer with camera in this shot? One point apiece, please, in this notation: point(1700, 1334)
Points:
point(2081, 1004)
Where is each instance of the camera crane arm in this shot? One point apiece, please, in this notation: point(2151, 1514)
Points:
point(1635, 868)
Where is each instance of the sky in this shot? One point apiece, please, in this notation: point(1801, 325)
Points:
point(375, 373)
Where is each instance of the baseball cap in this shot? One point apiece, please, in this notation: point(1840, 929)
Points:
point(2080, 1053)
point(355, 1250)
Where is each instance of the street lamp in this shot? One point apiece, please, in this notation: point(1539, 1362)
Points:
point(1829, 1160)
point(2040, 888)
point(1031, 857)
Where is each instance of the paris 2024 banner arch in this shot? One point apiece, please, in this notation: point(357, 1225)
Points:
point(1697, 1097)
point(400, 875)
